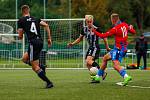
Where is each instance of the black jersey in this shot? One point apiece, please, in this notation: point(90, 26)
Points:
point(31, 27)
point(90, 36)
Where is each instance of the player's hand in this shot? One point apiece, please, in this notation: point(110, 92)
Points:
point(130, 27)
point(69, 45)
point(93, 30)
point(49, 42)
point(108, 49)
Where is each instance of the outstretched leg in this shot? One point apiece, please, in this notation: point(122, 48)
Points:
point(101, 71)
point(40, 73)
point(122, 72)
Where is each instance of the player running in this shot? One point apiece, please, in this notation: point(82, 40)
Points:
point(120, 33)
point(31, 27)
point(94, 49)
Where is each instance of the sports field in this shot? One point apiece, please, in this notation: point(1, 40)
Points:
point(72, 85)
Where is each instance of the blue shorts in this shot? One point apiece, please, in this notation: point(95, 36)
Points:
point(117, 54)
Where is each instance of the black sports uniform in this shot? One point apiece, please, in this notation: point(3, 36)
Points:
point(94, 48)
point(31, 27)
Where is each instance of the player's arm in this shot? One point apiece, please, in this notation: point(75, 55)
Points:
point(80, 38)
point(20, 32)
point(106, 44)
point(131, 29)
point(46, 26)
point(104, 35)
point(105, 40)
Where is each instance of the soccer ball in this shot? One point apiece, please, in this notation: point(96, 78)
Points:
point(93, 71)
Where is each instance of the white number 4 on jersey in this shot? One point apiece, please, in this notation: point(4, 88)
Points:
point(33, 28)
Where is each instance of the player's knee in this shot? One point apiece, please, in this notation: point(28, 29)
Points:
point(35, 68)
point(89, 62)
point(24, 60)
point(104, 59)
point(116, 64)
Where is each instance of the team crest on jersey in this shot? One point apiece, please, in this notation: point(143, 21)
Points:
point(29, 19)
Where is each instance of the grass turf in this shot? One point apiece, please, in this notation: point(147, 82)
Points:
point(71, 85)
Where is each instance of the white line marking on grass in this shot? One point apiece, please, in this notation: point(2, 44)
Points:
point(133, 86)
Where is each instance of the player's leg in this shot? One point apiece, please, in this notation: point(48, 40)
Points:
point(122, 72)
point(144, 59)
point(25, 58)
point(40, 73)
point(138, 59)
point(101, 71)
point(116, 56)
point(35, 49)
point(88, 66)
point(91, 62)
point(92, 54)
point(42, 61)
point(103, 66)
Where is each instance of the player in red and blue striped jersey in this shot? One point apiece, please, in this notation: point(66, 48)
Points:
point(120, 32)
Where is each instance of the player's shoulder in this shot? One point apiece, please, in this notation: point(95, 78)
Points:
point(21, 19)
point(36, 18)
point(97, 28)
point(122, 25)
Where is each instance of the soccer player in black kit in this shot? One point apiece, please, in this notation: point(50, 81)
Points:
point(94, 48)
point(31, 27)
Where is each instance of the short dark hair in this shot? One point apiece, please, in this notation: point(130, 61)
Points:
point(24, 7)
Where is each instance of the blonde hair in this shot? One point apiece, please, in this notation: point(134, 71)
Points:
point(89, 17)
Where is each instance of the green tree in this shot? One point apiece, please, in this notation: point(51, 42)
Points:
point(122, 7)
point(8, 9)
point(97, 8)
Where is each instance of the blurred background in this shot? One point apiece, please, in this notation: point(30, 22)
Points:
point(136, 12)
point(65, 30)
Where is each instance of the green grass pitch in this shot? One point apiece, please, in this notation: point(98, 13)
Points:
point(72, 85)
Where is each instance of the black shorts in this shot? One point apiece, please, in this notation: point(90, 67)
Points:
point(94, 52)
point(34, 49)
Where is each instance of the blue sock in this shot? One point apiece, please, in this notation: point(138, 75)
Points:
point(100, 72)
point(122, 72)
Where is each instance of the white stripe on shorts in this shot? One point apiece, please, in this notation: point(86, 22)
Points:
point(31, 52)
point(94, 52)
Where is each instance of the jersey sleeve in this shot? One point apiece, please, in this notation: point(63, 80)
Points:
point(20, 23)
point(108, 33)
point(131, 29)
point(39, 20)
point(98, 29)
